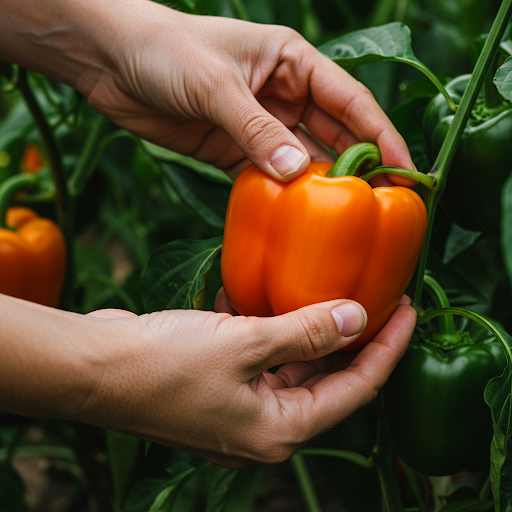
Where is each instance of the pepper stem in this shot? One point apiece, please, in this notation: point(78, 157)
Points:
point(424, 179)
point(364, 156)
point(7, 190)
point(446, 335)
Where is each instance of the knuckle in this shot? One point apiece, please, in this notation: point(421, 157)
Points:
point(258, 129)
point(314, 338)
point(360, 96)
point(290, 35)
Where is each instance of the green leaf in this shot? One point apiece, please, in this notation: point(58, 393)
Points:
point(503, 79)
point(206, 170)
point(122, 452)
point(12, 489)
point(7, 71)
point(506, 225)
point(15, 125)
point(498, 396)
point(459, 290)
point(208, 199)
point(467, 506)
point(391, 42)
point(144, 493)
point(220, 483)
point(408, 118)
point(175, 275)
point(160, 494)
point(458, 241)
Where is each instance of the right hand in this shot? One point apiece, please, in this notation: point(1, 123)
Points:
point(199, 381)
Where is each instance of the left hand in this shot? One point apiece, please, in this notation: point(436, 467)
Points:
point(225, 91)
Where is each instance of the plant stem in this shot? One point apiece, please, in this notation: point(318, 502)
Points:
point(424, 179)
point(431, 199)
point(51, 147)
point(306, 486)
point(444, 159)
point(354, 457)
point(446, 324)
point(88, 156)
point(94, 145)
point(385, 461)
point(114, 287)
point(7, 190)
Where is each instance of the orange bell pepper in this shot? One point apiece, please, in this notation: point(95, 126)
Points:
point(288, 245)
point(32, 257)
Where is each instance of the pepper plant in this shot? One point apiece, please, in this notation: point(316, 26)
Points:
point(144, 231)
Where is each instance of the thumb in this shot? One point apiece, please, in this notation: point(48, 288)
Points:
point(265, 140)
point(310, 332)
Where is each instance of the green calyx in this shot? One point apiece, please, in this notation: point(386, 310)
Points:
point(445, 335)
point(482, 113)
point(446, 341)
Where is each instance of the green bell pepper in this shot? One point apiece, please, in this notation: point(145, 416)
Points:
point(433, 404)
point(483, 160)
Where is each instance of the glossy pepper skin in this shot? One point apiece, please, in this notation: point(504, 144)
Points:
point(32, 257)
point(288, 245)
point(433, 404)
point(481, 165)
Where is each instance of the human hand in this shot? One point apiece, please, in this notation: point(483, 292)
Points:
point(228, 81)
point(222, 90)
point(198, 381)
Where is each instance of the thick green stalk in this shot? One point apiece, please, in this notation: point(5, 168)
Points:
point(444, 159)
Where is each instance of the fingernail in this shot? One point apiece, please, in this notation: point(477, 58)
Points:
point(350, 317)
point(287, 159)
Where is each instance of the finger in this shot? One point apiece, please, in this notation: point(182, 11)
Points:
point(298, 372)
point(317, 151)
point(327, 129)
point(347, 100)
point(222, 304)
point(265, 140)
point(303, 335)
point(339, 394)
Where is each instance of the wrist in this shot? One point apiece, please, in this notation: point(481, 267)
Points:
point(49, 364)
point(71, 41)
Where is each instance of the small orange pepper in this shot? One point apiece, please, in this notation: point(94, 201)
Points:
point(32, 257)
point(32, 161)
point(317, 238)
